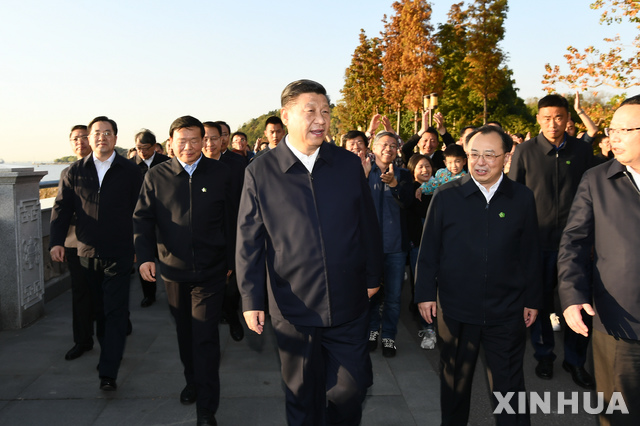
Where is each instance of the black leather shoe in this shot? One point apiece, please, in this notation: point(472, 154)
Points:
point(544, 369)
point(579, 375)
point(236, 331)
point(188, 394)
point(77, 351)
point(206, 418)
point(147, 301)
point(108, 384)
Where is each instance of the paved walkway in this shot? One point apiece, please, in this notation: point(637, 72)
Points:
point(37, 386)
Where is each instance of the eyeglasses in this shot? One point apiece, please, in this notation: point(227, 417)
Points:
point(106, 134)
point(608, 131)
point(385, 146)
point(211, 139)
point(144, 148)
point(489, 158)
point(79, 138)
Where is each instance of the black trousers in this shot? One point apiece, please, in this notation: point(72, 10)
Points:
point(231, 300)
point(617, 369)
point(196, 308)
point(81, 300)
point(504, 347)
point(326, 371)
point(109, 279)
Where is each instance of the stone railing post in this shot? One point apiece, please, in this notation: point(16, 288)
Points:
point(21, 263)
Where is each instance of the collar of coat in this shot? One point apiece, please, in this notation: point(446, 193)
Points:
point(614, 168)
point(177, 168)
point(469, 187)
point(286, 159)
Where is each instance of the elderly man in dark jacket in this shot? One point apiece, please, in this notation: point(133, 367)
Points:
point(480, 254)
point(308, 238)
point(186, 209)
point(604, 225)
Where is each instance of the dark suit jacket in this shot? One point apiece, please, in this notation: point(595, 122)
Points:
point(483, 259)
point(237, 164)
point(189, 218)
point(605, 216)
point(157, 159)
point(316, 232)
point(103, 214)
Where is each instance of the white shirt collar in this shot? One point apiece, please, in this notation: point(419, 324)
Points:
point(190, 168)
point(107, 161)
point(149, 160)
point(488, 194)
point(307, 160)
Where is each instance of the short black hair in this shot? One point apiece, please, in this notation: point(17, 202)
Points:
point(184, 122)
point(507, 142)
point(413, 163)
point(454, 150)
point(145, 137)
point(495, 123)
point(634, 100)
point(553, 100)
point(273, 120)
point(352, 134)
point(214, 124)
point(244, 135)
point(297, 88)
point(114, 126)
point(222, 123)
point(433, 131)
point(77, 127)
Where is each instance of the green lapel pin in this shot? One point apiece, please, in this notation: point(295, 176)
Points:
point(204, 189)
point(568, 162)
point(502, 215)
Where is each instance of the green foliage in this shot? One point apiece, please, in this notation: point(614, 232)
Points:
point(67, 159)
point(254, 128)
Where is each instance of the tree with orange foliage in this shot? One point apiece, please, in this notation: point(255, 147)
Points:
point(409, 64)
point(362, 93)
point(487, 75)
point(617, 68)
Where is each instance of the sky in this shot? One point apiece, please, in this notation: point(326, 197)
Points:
point(145, 63)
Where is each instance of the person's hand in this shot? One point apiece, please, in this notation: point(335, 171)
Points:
point(254, 320)
point(366, 163)
point(419, 194)
point(389, 177)
point(148, 271)
point(57, 253)
point(425, 123)
point(530, 316)
point(576, 103)
point(527, 136)
point(428, 311)
point(439, 119)
point(387, 124)
point(573, 317)
point(375, 122)
point(372, 291)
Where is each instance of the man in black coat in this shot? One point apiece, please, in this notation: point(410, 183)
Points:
point(309, 239)
point(185, 210)
point(604, 225)
point(551, 165)
point(428, 142)
point(480, 255)
point(101, 190)
point(146, 158)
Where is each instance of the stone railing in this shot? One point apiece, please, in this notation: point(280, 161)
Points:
point(28, 277)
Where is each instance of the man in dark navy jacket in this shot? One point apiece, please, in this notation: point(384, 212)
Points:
point(101, 190)
point(604, 224)
point(309, 239)
point(480, 254)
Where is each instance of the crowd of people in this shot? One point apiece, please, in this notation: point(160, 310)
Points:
point(492, 226)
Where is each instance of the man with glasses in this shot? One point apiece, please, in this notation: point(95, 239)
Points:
point(101, 190)
point(392, 192)
point(551, 165)
point(604, 224)
point(185, 211)
point(480, 257)
point(147, 158)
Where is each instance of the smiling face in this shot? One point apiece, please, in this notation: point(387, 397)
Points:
point(626, 145)
point(486, 172)
point(423, 171)
point(102, 139)
point(355, 145)
point(455, 164)
point(385, 150)
point(80, 143)
point(428, 143)
point(553, 122)
point(187, 144)
point(239, 142)
point(212, 143)
point(307, 119)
